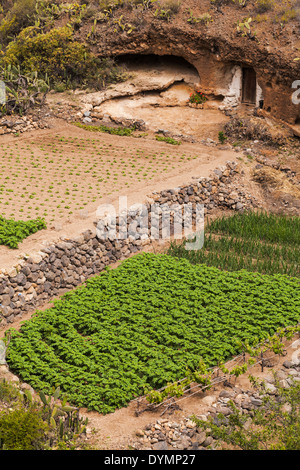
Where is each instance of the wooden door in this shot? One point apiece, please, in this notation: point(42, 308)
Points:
point(249, 86)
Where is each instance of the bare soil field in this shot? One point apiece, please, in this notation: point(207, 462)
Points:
point(66, 173)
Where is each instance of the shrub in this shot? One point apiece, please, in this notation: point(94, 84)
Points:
point(222, 138)
point(55, 54)
point(197, 97)
point(18, 17)
point(264, 5)
point(29, 422)
point(21, 429)
point(251, 129)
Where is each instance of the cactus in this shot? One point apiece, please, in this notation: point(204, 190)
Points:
point(62, 417)
point(244, 28)
point(43, 398)
point(27, 396)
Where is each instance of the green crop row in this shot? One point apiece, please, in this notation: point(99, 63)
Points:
point(12, 232)
point(263, 226)
point(143, 324)
point(257, 242)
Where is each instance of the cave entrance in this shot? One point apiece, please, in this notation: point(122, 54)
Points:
point(157, 62)
point(249, 86)
point(156, 94)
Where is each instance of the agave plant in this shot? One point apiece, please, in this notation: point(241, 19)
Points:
point(23, 91)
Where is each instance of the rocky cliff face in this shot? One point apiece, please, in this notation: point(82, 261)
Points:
point(216, 50)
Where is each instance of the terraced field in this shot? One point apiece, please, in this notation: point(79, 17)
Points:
point(57, 176)
point(260, 242)
point(143, 324)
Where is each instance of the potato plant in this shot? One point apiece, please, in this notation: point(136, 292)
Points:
point(144, 324)
point(12, 232)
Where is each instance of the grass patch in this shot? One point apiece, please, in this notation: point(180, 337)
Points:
point(168, 140)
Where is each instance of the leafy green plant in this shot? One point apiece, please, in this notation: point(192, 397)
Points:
point(12, 232)
point(244, 28)
point(168, 140)
point(222, 137)
point(198, 97)
point(128, 329)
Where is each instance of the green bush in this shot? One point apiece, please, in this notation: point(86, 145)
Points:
point(31, 422)
point(222, 138)
point(21, 429)
point(18, 17)
point(54, 54)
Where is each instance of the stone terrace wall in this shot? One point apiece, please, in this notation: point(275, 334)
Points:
point(58, 268)
point(19, 124)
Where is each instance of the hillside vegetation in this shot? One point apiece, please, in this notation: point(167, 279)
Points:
point(58, 40)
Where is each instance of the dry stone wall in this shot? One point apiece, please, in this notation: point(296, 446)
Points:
point(61, 267)
point(18, 124)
